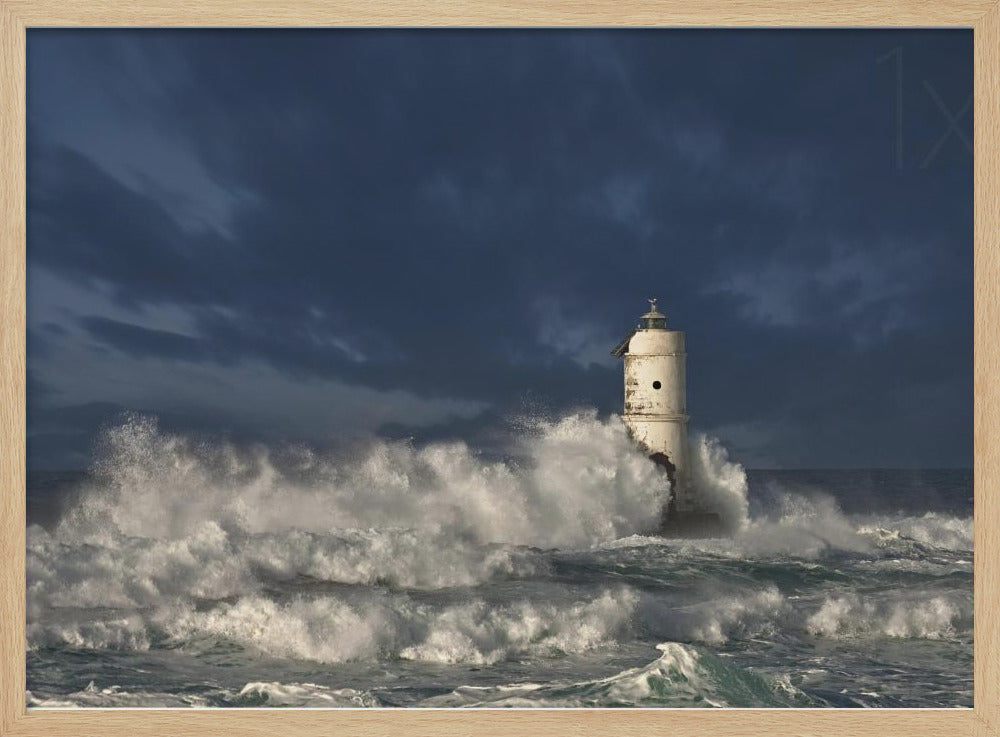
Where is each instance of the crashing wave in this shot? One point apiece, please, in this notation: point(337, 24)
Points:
point(333, 630)
point(851, 616)
point(683, 676)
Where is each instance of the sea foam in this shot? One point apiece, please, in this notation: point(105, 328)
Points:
point(578, 480)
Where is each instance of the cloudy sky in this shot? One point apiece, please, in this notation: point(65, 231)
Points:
point(308, 236)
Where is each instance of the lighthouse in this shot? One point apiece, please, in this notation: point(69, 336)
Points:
point(656, 415)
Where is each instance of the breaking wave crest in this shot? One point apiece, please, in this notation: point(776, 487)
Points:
point(851, 616)
point(579, 480)
point(299, 695)
point(210, 563)
point(362, 627)
point(683, 676)
point(767, 614)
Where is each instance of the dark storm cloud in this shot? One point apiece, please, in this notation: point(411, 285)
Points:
point(145, 343)
point(477, 217)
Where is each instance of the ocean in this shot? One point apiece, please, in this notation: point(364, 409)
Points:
point(194, 572)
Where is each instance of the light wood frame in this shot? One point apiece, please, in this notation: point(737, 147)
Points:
point(981, 15)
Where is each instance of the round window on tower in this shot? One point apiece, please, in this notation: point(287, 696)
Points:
point(657, 385)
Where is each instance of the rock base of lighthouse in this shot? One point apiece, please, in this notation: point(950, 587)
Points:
point(685, 523)
point(692, 524)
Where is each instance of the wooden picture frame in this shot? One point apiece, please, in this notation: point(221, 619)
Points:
point(983, 16)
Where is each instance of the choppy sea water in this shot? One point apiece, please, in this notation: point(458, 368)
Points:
point(190, 572)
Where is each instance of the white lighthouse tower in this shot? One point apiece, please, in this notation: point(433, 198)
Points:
point(656, 412)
